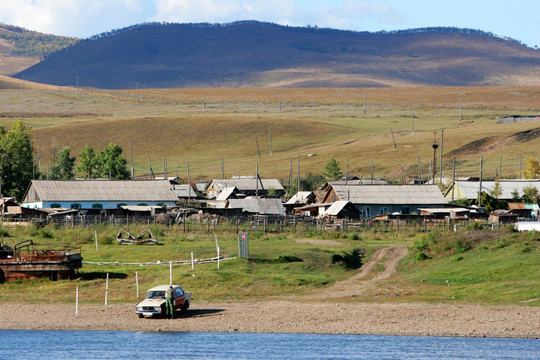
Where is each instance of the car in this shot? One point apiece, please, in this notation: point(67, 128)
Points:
point(154, 303)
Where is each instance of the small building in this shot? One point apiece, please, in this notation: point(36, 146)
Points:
point(98, 194)
point(300, 199)
point(342, 210)
point(245, 186)
point(184, 191)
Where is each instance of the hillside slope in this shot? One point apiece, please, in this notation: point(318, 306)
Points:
point(21, 48)
point(262, 54)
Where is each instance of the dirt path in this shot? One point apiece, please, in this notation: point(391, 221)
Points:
point(388, 258)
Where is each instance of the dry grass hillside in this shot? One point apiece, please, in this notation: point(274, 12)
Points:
point(203, 126)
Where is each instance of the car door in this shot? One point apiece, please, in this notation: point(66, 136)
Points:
point(179, 298)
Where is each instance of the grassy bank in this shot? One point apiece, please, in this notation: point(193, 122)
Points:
point(472, 266)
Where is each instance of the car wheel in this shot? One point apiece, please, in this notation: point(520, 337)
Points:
point(185, 306)
point(140, 316)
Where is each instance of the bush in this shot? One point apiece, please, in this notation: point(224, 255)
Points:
point(288, 259)
point(354, 236)
point(421, 256)
point(352, 260)
point(458, 258)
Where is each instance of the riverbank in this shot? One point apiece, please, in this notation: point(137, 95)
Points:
point(289, 317)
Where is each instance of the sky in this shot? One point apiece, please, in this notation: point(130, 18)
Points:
point(517, 19)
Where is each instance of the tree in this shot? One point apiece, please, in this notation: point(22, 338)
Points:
point(515, 195)
point(332, 170)
point(311, 182)
point(530, 195)
point(111, 163)
point(496, 191)
point(63, 170)
point(16, 159)
point(89, 161)
point(532, 168)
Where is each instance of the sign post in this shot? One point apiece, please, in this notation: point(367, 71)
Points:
point(243, 246)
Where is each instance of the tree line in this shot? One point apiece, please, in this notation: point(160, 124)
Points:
point(18, 167)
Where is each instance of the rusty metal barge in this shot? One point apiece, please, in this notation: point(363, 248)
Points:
point(28, 260)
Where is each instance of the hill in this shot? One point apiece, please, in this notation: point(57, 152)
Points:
point(204, 126)
point(267, 55)
point(21, 48)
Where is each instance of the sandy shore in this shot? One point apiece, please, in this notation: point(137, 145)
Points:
point(320, 312)
point(289, 317)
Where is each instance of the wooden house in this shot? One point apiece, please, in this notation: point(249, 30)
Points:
point(98, 194)
point(372, 200)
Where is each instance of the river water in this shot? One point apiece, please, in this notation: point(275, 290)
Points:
point(22, 344)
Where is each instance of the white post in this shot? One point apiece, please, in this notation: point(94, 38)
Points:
point(106, 288)
point(170, 272)
point(192, 264)
point(137, 283)
point(76, 301)
point(95, 235)
point(218, 257)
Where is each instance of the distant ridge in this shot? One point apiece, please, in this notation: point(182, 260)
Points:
point(250, 53)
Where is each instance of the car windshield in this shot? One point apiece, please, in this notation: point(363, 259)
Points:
point(155, 295)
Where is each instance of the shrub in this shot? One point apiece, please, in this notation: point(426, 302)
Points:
point(352, 260)
point(354, 236)
point(420, 244)
point(288, 259)
point(458, 258)
point(421, 256)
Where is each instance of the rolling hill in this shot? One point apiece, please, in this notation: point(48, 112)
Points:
point(21, 48)
point(259, 54)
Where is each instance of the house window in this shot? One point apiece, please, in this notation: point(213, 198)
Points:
point(142, 204)
point(383, 210)
point(55, 206)
point(405, 210)
point(75, 206)
point(97, 206)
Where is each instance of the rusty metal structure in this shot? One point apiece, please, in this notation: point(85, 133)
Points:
point(28, 260)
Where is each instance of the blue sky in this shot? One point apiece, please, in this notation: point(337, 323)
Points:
point(518, 19)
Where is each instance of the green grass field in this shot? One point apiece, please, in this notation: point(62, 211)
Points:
point(469, 267)
point(203, 126)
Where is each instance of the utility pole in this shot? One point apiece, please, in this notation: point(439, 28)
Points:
point(520, 164)
point(77, 86)
point(441, 162)
point(371, 172)
point(453, 176)
point(500, 167)
point(347, 172)
point(131, 161)
point(364, 101)
point(270, 134)
point(189, 183)
point(460, 107)
point(420, 170)
point(412, 120)
point(394, 141)
point(434, 163)
point(223, 169)
point(138, 100)
point(298, 172)
point(480, 184)
point(258, 151)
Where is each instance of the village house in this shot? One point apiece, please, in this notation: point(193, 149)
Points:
point(244, 186)
point(98, 194)
point(372, 200)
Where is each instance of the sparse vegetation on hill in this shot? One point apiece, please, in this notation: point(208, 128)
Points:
point(29, 43)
